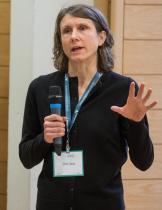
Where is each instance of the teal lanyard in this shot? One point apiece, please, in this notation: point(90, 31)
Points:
point(71, 119)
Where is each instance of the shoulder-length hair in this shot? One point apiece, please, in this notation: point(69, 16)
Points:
point(105, 59)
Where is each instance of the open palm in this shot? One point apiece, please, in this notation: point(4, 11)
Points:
point(135, 107)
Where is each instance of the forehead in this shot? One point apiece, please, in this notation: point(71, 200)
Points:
point(69, 20)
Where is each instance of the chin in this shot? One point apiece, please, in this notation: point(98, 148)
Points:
point(78, 59)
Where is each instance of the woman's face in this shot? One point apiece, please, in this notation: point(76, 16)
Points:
point(80, 39)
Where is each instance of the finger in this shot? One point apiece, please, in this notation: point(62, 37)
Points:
point(150, 106)
point(54, 130)
point(117, 109)
point(50, 137)
point(147, 96)
point(53, 124)
point(65, 119)
point(54, 117)
point(131, 90)
point(50, 134)
point(141, 90)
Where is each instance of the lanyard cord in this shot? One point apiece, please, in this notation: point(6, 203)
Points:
point(71, 120)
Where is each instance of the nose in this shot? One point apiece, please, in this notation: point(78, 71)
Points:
point(74, 34)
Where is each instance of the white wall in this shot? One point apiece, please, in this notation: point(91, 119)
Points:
point(32, 26)
point(20, 75)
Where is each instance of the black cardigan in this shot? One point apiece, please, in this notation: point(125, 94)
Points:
point(104, 136)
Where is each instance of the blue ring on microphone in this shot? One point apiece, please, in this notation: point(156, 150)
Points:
point(55, 106)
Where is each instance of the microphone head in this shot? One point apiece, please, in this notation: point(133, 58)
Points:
point(55, 91)
point(55, 94)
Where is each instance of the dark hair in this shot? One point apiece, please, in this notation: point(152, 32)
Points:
point(105, 59)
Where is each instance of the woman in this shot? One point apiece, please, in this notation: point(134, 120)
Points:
point(106, 115)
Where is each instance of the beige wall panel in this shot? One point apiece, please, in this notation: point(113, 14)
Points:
point(143, 1)
point(155, 83)
point(102, 5)
point(3, 177)
point(3, 145)
point(3, 202)
point(142, 60)
point(4, 74)
point(142, 57)
point(154, 172)
point(117, 19)
point(143, 22)
point(155, 120)
point(3, 113)
point(4, 17)
point(143, 194)
point(4, 49)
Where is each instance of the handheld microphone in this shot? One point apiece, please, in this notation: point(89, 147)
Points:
point(55, 98)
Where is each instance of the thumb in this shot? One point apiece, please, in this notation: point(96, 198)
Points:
point(117, 109)
point(64, 119)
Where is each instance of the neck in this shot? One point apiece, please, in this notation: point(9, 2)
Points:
point(84, 73)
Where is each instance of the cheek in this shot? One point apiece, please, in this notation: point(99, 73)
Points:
point(65, 45)
point(93, 44)
point(93, 40)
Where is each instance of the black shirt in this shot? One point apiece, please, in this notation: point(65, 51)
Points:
point(103, 135)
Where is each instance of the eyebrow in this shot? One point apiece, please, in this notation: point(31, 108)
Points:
point(69, 26)
point(80, 23)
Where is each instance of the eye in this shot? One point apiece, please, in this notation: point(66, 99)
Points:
point(66, 30)
point(83, 27)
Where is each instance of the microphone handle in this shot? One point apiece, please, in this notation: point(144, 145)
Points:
point(58, 141)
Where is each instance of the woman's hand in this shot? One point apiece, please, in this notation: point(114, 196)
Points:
point(135, 107)
point(54, 126)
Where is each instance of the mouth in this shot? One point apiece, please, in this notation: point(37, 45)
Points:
point(76, 49)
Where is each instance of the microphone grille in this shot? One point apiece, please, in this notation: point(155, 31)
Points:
point(55, 91)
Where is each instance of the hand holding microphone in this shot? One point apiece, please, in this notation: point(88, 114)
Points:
point(54, 124)
point(54, 127)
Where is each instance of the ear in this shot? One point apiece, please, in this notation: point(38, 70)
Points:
point(101, 38)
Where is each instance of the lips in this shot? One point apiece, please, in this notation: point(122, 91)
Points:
point(76, 48)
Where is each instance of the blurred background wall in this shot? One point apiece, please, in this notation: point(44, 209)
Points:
point(4, 84)
point(137, 28)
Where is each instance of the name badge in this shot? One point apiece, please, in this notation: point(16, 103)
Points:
point(68, 164)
